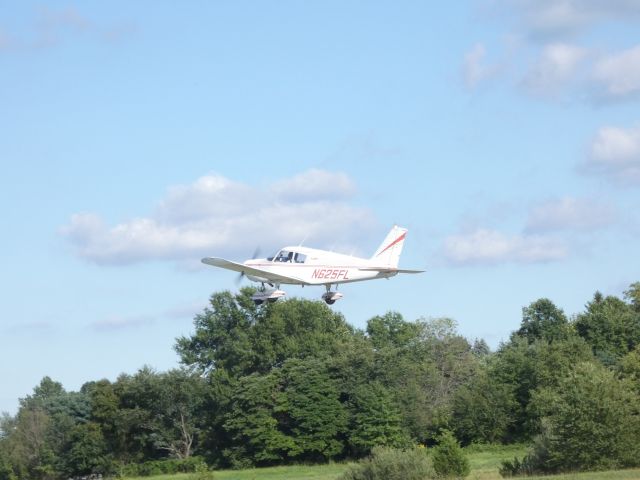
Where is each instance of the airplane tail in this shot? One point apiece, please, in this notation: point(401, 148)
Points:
point(388, 253)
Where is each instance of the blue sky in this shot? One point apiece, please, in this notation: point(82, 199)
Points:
point(138, 137)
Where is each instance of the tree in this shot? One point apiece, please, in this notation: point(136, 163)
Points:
point(296, 329)
point(236, 336)
point(175, 422)
point(480, 348)
point(424, 373)
point(629, 368)
point(35, 440)
point(483, 409)
point(542, 320)
point(590, 422)
point(449, 460)
point(391, 330)
point(524, 367)
point(375, 420)
point(292, 413)
point(632, 294)
point(86, 452)
point(315, 417)
point(253, 422)
point(104, 405)
point(610, 326)
point(46, 389)
point(30, 447)
point(221, 339)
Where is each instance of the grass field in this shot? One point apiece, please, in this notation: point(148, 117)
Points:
point(484, 466)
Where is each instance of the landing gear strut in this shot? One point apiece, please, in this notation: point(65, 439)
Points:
point(267, 295)
point(330, 297)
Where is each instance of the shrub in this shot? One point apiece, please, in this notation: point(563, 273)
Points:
point(516, 467)
point(448, 458)
point(386, 463)
point(202, 472)
point(166, 466)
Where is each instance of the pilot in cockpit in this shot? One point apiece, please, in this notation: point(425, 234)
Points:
point(282, 256)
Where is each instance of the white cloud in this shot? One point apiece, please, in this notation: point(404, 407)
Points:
point(122, 323)
point(550, 58)
point(52, 27)
point(619, 74)
point(185, 311)
point(31, 327)
point(315, 184)
point(489, 247)
point(554, 18)
point(209, 196)
point(556, 66)
point(216, 216)
point(615, 154)
point(569, 213)
point(475, 68)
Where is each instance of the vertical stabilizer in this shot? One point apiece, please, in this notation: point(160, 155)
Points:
point(388, 253)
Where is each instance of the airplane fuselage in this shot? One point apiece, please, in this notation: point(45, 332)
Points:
point(319, 268)
point(309, 266)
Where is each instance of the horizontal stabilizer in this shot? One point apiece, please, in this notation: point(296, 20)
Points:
point(387, 269)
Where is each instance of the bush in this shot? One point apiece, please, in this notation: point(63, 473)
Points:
point(202, 472)
point(516, 467)
point(386, 463)
point(163, 467)
point(448, 458)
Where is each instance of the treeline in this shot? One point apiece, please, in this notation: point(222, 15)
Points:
point(293, 382)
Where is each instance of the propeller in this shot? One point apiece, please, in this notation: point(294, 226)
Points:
point(256, 253)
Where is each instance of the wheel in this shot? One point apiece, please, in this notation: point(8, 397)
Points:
point(272, 300)
point(258, 302)
point(330, 301)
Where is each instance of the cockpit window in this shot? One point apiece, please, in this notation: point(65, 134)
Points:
point(288, 256)
point(284, 256)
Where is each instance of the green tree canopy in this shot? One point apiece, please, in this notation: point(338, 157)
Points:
point(632, 294)
point(391, 330)
point(241, 338)
point(610, 326)
point(375, 419)
point(525, 367)
point(484, 409)
point(542, 320)
point(591, 421)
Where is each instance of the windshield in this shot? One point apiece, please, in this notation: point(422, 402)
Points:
point(288, 256)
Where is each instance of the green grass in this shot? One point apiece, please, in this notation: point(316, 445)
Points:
point(485, 462)
point(314, 472)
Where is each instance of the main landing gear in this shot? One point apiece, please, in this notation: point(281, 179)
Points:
point(265, 294)
point(331, 297)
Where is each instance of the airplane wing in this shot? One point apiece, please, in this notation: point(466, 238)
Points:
point(388, 269)
point(256, 272)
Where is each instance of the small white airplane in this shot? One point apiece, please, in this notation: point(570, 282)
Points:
point(309, 266)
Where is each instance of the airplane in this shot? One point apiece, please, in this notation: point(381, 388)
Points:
point(309, 266)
